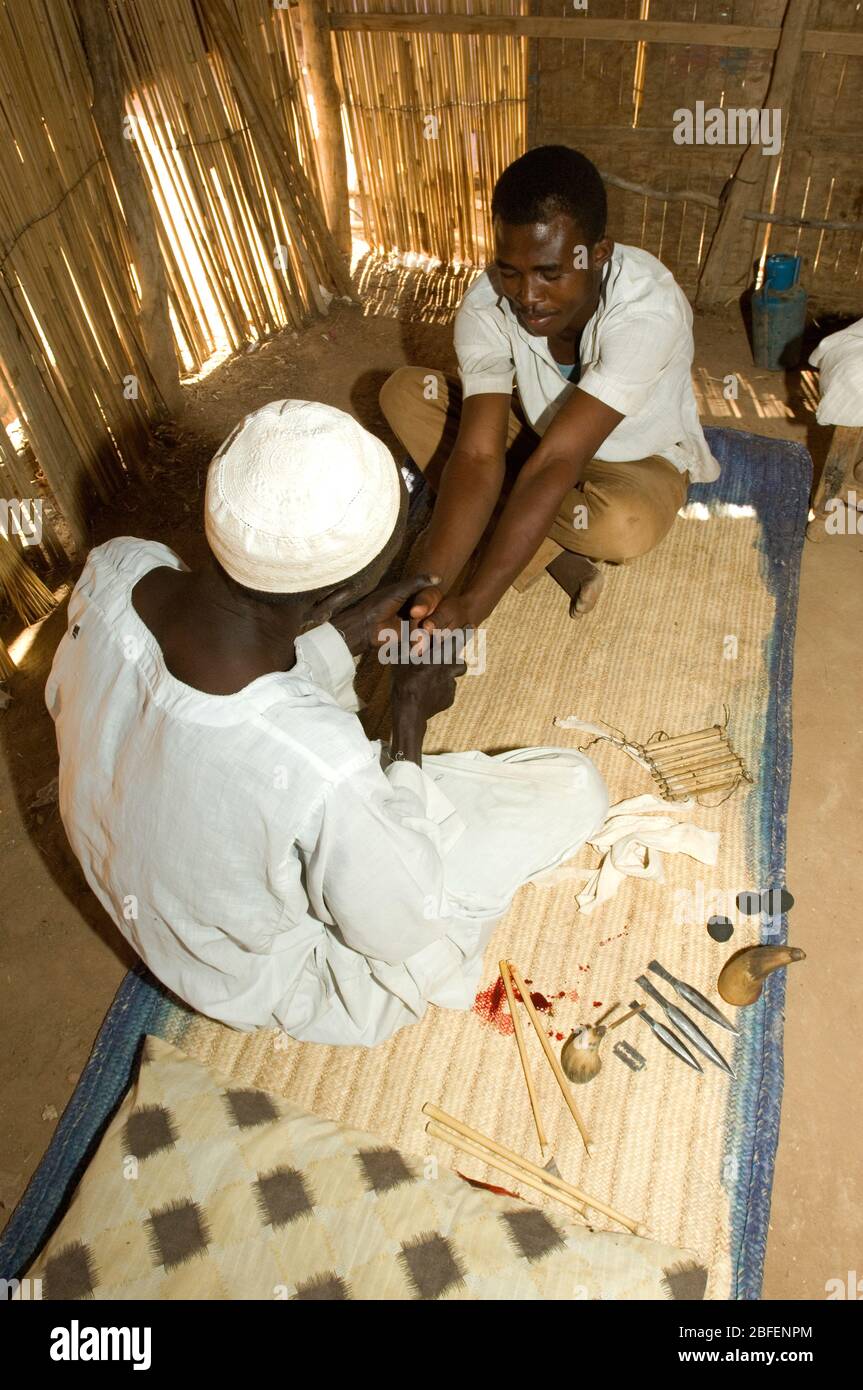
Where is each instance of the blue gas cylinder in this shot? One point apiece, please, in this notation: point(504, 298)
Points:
point(779, 315)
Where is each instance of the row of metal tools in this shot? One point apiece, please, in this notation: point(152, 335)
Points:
point(580, 1057)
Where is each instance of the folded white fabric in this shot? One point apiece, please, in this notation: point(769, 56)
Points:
point(632, 839)
point(839, 358)
point(631, 842)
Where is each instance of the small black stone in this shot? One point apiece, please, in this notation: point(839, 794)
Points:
point(749, 902)
point(720, 928)
point(775, 901)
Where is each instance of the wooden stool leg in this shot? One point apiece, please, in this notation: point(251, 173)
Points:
point(845, 449)
point(548, 551)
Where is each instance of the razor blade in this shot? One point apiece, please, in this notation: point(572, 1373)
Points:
point(628, 1054)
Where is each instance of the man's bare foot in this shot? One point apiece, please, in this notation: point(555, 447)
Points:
point(580, 578)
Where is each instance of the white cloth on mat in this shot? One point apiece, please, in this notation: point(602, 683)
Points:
point(253, 850)
point(632, 831)
point(632, 841)
point(839, 359)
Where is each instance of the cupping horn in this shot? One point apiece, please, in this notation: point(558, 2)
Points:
point(742, 977)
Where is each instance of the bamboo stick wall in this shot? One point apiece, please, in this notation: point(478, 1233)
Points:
point(238, 220)
point(222, 221)
point(67, 302)
point(424, 194)
point(233, 183)
point(615, 101)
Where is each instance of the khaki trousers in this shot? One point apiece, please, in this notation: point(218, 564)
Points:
point(617, 512)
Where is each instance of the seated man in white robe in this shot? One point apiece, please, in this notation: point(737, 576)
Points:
point(270, 864)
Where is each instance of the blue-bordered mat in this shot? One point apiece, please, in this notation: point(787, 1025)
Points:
point(771, 478)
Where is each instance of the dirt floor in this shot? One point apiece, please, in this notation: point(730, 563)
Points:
point(61, 960)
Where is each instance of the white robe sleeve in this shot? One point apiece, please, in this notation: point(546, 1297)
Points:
point(375, 871)
point(329, 659)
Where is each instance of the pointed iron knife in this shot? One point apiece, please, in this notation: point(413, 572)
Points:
point(669, 1039)
point(686, 1026)
point(693, 997)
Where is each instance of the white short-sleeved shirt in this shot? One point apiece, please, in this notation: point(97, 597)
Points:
point(635, 355)
point(252, 849)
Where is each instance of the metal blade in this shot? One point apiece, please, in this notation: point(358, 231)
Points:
point(663, 974)
point(669, 1039)
point(651, 989)
point(691, 1031)
point(686, 1026)
point(694, 997)
point(698, 1001)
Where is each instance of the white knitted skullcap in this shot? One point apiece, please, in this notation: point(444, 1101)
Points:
point(299, 496)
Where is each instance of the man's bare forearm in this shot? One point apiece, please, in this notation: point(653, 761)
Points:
point(556, 465)
point(469, 489)
point(408, 731)
point(523, 526)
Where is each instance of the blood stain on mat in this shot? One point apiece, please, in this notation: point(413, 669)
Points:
point(489, 1004)
point(539, 1001)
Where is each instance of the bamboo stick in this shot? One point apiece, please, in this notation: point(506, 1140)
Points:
point(703, 760)
point(682, 746)
point(626, 1017)
point(709, 784)
point(551, 1180)
point(607, 1014)
point(706, 749)
point(718, 786)
point(103, 60)
point(28, 595)
point(494, 1160)
point(696, 788)
point(551, 1057)
point(702, 755)
point(522, 1053)
point(682, 740)
point(699, 769)
point(677, 745)
point(688, 784)
point(8, 669)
